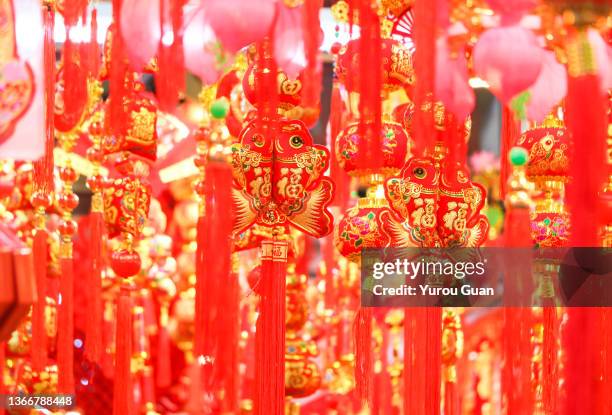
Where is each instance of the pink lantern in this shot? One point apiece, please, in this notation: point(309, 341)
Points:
point(204, 55)
point(141, 31)
point(452, 81)
point(509, 59)
point(289, 50)
point(238, 23)
point(548, 90)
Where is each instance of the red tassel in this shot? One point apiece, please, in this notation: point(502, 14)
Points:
point(163, 368)
point(229, 334)
point(65, 334)
point(270, 331)
point(424, 69)
point(213, 269)
point(363, 353)
point(433, 360)
point(550, 359)
point(123, 398)
point(370, 84)
point(39, 334)
point(450, 398)
point(516, 373)
point(586, 120)
point(415, 349)
point(93, 345)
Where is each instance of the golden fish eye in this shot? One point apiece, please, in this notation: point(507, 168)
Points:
point(419, 173)
point(258, 140)
point(296, 141)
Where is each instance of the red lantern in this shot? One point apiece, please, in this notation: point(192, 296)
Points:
point(549, 148)
point(289, 96)
point(395, 148)
point(397, 70)
point(361, 228)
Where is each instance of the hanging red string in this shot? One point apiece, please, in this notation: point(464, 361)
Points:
point(312, 40)
point(369, 87)
point(363, 353)
point(424, 70)
point(170, 79)
point(118, 73)
point(94, 48)
point(336, 119)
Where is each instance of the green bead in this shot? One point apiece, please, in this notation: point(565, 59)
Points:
point(518, 156)
point(219, 108)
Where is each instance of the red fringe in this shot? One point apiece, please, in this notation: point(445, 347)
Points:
point(123, 392)
point(509, 135)
point(213, 275)
point(605, 400)
point(582, 344)
point(586, 120)
point(170, 79)
point(433, 360)
point(516, 373)
point(424, 69)
point(39, 334)
point(270, 337)
point(65, 334)
point(93, 345)
point(229, 336)
point(312, 36)
point(363, 354)
point(415, 350)
point(163, 368)
point(370, 84)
